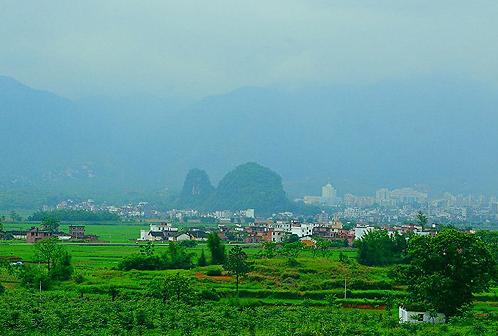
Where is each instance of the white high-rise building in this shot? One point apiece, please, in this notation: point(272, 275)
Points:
point(329, 194)
point(383, 196)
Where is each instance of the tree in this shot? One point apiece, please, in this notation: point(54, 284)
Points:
point(174, 287)
point(62, 269)
point(422, 220)
point(268, 250)
point(147, 249)
point(377, 247)
point(237, 265)
point(48, 251)
point(50, 224)
point(322, 247)
point(202, 259)
point(34, 277)
point(177, 257)
point(291, 238)
point(292, 250)
point(445, 270)
point(216, 248)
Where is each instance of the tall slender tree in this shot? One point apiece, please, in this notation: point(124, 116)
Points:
point(237, 265)
point(217, 249)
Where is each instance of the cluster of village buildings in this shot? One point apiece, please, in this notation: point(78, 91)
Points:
point(34, 234)
point(273, 231)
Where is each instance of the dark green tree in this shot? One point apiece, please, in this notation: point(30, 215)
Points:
point(237, 265)
point(50, 224)
point(174, 287)
point(202, 259)
point(422, 220)
point(268, 250)
point(445, 270)
point(217, 249)
point(177, 257)
point(292, 250)
point(48, 251)
point(377, 247)
point(62, 268)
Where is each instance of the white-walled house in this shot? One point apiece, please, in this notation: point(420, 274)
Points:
point(362, 230)
point(278, 235)
point(412, 315)
point(183, 237)
point(158, 232)
point(303, 229)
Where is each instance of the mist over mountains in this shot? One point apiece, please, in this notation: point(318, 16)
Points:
point(439, 134)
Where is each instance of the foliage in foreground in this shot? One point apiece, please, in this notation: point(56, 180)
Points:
point(176, 257)
point(445, 270)
point(55, 313)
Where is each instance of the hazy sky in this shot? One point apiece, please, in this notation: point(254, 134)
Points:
point(197, 48)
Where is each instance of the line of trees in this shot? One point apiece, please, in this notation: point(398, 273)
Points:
point(71, 215)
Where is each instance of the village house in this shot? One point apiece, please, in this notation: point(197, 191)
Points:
point(158, 232)
point(21, 235)
point(413, 314)
point(256, 234)
point(35, 234)
point(77, 231)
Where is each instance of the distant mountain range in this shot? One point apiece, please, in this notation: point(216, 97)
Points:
point(435, 134)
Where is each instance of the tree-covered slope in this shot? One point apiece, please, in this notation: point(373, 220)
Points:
point(250, 186)
point(197, 189)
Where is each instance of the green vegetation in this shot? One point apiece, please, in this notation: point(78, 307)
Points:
point(445, 270)
point(176, 257)
point(217, 249)
point(274, 296)
point(73, 215)
point(237, 265)
point(251, 186)
point(197, 189)
point(377, 247)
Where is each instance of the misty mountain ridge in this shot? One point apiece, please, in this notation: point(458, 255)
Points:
point(441, 134)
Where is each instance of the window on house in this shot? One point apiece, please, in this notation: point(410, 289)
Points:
point(420, 317)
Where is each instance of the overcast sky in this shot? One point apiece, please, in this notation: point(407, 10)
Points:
point(198, 48)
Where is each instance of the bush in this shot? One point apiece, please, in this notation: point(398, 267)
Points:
point(188, 243)
point(214, 272)
point(209, 295)
point(78, 278)
point(33, 277)
point(292, 262)
point(175, 258)
point(2, 289)
point(140, 262)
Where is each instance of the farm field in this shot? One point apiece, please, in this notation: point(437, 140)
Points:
point(313, 278)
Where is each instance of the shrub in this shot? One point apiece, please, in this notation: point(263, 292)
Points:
point(78, 278)
point(188, 243)
point(2, 289)
point(33, 277)
point(292, 262)
point(209, 295)
point(140, 262)
point(214, 272)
